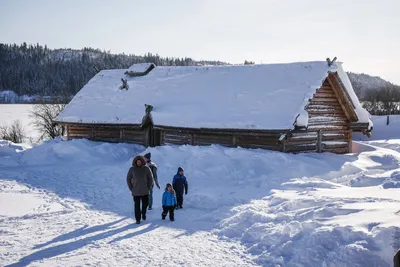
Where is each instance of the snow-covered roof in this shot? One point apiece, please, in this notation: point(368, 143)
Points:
point(266, 96)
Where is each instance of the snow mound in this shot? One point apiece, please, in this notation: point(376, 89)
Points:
point(8, 148)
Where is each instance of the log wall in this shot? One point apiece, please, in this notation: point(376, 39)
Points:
point(328, 131)
point(328, 127)
point(107, 134)
point(230, 138)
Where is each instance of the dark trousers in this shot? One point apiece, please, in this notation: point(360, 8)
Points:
point(151, 198)
point(169, 209)
point(179, 198)
point(145, 202)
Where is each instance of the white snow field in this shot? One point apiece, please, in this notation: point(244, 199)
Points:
point(13, 112)
point(66, 203)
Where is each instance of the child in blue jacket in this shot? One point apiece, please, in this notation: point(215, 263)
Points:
point(168, 202)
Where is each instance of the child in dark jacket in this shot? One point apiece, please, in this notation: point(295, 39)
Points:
point(168, 202)
point(180, 185)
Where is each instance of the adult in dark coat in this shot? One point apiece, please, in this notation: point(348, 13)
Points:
point(140, 182)
point(180, 185)
point(153, 168)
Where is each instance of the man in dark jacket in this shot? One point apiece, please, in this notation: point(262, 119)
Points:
point(180, 185)
point(140, 182)
point(153, 168)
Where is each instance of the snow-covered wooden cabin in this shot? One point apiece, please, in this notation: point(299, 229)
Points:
point(293, 107)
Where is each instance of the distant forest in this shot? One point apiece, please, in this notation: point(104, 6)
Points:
point(40, 71)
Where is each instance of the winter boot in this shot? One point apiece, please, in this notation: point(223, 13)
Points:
point(163, 215)
point(143, 217)
point(150, 208)
point(137, 222)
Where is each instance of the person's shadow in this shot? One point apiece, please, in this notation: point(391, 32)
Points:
point(71, 246)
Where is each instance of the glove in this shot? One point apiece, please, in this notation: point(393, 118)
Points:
point(186, 193)
point(158, 186)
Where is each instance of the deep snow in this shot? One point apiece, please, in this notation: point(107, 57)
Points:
point(67, 204)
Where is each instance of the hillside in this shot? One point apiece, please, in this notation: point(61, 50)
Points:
point(30, 72)
point(35, 70)
point(364, 83)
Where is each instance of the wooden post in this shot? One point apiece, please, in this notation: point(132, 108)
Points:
point(68, 133)
point(387, 120)
point(350, 140)
point(121, 135)
point(234, 141)
point(161, 137)
point(93, 133)
point(319, 142)
point(191, 139)
point(283, 146)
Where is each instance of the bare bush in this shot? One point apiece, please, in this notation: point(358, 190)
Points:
point(14, 132)
point(44, 116)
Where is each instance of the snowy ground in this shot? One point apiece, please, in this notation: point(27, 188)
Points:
point(12, 112)
point(67, 204)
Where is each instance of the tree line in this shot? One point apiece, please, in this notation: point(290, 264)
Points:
point(36, 70)
point(56, 75)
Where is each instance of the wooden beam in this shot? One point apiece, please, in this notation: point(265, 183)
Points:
point(341, 96)
point(319, 142)
point(350, 138)
point(68, 138)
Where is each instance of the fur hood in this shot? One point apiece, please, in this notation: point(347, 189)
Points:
point(138, 157)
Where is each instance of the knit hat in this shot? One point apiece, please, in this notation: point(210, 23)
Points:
point(168, 185)
point(180, 169)
point(147, 156)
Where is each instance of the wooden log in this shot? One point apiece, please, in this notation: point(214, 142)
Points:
point(256, 140)
point(86, 136)
point(259, 146)
point(323, 100)
point(325, 89)
point(319, 105)
point(325, 94)
point(320, 114)
point(298, 148)
point(337, 150)
point(330, 123)
point(299, 140)
point(326, 127)
point(334, 144)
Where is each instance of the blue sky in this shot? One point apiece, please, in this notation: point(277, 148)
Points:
point(365, 35)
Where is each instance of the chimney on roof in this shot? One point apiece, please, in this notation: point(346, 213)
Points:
point(330, 62)
point(140, 69)
point(124, 84)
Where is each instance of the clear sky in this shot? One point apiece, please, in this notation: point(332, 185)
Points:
point(364, 34)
